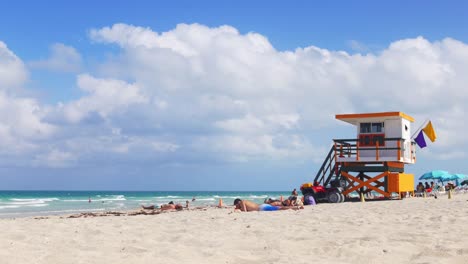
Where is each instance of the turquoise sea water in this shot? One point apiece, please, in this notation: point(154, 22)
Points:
point(31, 203)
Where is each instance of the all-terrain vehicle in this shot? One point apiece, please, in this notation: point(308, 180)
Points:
point(321, 194)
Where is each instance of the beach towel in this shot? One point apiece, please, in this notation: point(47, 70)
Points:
point(268, 207)
point(309, 200)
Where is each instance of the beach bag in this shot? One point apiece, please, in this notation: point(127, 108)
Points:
point(309, 200)
point(299, 202)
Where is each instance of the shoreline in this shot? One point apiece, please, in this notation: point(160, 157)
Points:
point(31, 203)
point(101, 212)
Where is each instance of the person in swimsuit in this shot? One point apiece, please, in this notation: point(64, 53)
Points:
point(294, 192)
point(273, 202)
point(268, 207)
point(249, 206)
point(171, 206)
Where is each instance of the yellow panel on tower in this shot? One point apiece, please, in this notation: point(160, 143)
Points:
point(400, 182)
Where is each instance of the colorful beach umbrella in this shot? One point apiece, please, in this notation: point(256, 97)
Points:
point(434, 175)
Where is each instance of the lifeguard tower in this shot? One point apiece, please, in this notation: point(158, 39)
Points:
point(374, 161)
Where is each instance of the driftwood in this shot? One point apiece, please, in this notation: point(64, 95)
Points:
point(41, 217)
point(114, 213)
point(147, 210)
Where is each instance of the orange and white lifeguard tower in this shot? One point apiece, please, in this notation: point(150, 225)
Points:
point(375, 159)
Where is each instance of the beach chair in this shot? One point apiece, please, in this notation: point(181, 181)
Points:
point(430, 192)
point(434, 192)
point(459, 189)
point(440, 190)
point(418, 194)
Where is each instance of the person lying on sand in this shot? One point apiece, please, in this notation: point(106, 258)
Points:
point(249, 206)
point(291, 201)
point(274, 202)
point(149, 207)
point(171, 206)
point(294, 201)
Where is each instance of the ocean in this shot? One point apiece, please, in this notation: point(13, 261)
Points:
point(35, 203)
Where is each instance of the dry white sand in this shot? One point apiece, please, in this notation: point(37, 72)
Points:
point(414, 230)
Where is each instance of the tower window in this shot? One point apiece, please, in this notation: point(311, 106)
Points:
point(371, 128)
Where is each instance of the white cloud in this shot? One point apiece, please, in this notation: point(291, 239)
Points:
point(246, 125)
point(106, 96)
point(358, 46)
point(22, 117)
point(241, 84)
point(164, 146)
point(62, 58)
point(12, 70)
point(197, 92)
point(22, 127)
point(127, 145)
point(55, 159)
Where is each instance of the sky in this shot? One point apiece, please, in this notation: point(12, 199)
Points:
point(218, 95)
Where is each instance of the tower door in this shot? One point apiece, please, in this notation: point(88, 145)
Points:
point(407, 151)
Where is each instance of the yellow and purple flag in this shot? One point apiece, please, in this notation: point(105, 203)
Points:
point(420, 140)
point(430, 132)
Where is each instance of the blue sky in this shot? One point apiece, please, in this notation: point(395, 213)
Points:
point(330, 24)
point(180, 95)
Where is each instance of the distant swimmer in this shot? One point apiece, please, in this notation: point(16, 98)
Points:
point(89, 199)
point(193, 199)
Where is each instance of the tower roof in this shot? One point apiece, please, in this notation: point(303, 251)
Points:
point(356, 118)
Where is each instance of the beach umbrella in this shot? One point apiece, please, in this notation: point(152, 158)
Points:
point(457, 177)
point(434, 175)
point(447, 177)
point(452, 177)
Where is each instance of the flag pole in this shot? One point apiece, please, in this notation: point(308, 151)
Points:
point(419, 129)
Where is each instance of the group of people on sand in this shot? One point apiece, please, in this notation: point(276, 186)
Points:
point(292, 202)
point(427, 188)
point(168, 206)
point(432, 188)
point(421, 188)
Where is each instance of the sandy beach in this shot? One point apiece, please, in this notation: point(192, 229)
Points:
point(413, 230)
